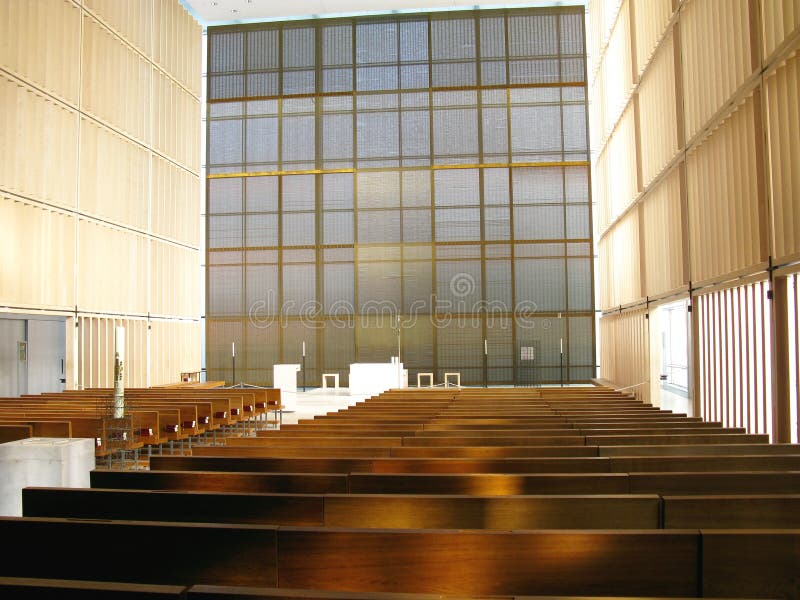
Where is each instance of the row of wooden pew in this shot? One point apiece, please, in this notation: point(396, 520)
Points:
point(462, 493)
point(158, 417)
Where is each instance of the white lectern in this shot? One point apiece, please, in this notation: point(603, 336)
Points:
point(284, 377)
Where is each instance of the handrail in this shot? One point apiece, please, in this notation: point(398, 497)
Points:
point(631, 386)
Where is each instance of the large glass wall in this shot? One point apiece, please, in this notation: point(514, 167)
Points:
point(406, 183)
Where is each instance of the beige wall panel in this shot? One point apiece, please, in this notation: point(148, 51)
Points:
point(40, 42)
point(112, 275)
point(116, 82)
point(130, 19)
point(650, 20)
point(114, 176)
point(177, 44)
point(715, 45)
point(38, 255)
point(780, 19)
point(601, 216)
point(175, 202)
point(616, 69)
point(662, 236)
point(176, 127)
point(38, 150)
point(174, 349)
point(175, 289)
point(623, 277)
point(722, 197)
point(621, 164)
point(625, 351)
point(602, 16)
point(658, 117)
point(783, 100)
point(596, 113)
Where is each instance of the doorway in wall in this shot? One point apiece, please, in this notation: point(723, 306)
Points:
point(32, 354)
point(669, 356)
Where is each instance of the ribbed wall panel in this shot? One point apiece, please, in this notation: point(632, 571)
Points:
point(616, 70)
point(623, 286)
point(663, 238)
point(715, 44)
point(38, 250)
point(625, 357)
point(40, 42)
point(780, 20)
point(112, 268)
point(116, 82)
point(114, 174)
point(658, 113)
point(723, 199)
point(621, 186)
point(130, 19)
point(650, 20)
point(38, 148)
point(783, 100)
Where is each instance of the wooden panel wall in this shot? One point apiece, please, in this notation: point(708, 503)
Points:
point(99, 178)
point(783, 129)
point(723, 188)
point(625, 351)
point(663, 237)
point(710, 127)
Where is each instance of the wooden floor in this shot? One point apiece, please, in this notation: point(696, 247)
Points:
point(573, 492)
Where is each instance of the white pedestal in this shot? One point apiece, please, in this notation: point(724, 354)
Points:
point(284, 377)
point(42, 462)
point(370, 379)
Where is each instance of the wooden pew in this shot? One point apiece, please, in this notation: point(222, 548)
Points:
point(698, 483)
point(492, 562)
point(208, 553)
point(287, 483)
point(732, 512)
point(36, 588)
point(664, 464)
point(700, 450)
point(12, 433)
point(490, 484)
point(750, 563)
point(177, 506)
point(226, 460)
point(342, 510)
point(631, 562)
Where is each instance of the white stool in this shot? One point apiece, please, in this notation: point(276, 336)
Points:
point(447, 377)
point(335, 380)
point(421, 375)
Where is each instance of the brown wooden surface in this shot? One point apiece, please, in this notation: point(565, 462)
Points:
point(488, 484)
point(714, 483)
point(119, 550)
point(378, 465)
point(490, 563)
point(289, 483)
point(196, 507)
point(12, 433)
point(32, 588)
point(506, 513)
point(732, 512)
point(751, 563)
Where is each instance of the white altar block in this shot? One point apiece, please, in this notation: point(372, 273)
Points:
point(284, 377)
point(370, 379)
point(42, 462)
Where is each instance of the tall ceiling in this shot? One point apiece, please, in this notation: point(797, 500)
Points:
point(218, 12)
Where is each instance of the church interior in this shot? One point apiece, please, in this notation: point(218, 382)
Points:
point(400, 300)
